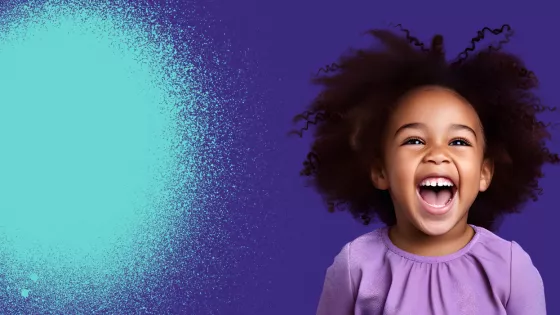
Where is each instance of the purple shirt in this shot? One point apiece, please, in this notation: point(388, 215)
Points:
point(489, 276)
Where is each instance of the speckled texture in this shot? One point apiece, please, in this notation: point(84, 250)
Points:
point(109, 159)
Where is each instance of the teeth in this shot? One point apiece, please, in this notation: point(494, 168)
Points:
point(443, 182)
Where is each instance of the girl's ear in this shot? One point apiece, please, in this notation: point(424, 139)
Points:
point(378, 178)
point(486, 173)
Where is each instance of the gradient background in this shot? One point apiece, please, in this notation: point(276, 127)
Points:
point(263, 241)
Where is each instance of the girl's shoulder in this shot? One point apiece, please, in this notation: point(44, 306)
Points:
point(489, 244)
point(368, 246)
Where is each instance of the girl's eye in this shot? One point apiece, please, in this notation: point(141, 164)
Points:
point(413, 141)
point(460, 142)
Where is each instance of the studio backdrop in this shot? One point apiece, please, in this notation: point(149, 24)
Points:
point(145, 162)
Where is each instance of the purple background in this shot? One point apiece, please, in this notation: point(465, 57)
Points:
point(279, 248)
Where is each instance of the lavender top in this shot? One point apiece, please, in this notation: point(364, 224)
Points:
point(489, 276)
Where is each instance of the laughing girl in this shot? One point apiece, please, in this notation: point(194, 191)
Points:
point(439, 151)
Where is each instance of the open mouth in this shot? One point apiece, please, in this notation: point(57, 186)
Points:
point(437, 192)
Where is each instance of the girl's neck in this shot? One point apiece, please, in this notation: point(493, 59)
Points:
point(414, 241)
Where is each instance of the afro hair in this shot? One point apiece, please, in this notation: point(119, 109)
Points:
point(350, 114)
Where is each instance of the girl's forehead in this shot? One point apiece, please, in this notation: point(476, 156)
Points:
point(431, 105)
point(430, 94)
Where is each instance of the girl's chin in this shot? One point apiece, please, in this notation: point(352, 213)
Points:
point(436, 227)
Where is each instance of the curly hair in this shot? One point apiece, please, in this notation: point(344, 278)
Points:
point(359, 91)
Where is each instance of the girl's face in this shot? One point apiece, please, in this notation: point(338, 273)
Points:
point(434, 164)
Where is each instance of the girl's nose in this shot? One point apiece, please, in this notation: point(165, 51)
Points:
point(436, 156)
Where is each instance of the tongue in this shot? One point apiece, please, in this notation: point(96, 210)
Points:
point(439, 198)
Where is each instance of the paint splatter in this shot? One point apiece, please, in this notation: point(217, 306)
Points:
point(102, 119)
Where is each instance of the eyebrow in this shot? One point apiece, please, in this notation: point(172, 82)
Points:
point(423, 126)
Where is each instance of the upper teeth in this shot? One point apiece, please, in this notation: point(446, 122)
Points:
point(436, 182)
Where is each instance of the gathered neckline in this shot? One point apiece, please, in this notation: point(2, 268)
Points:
point(429, 259)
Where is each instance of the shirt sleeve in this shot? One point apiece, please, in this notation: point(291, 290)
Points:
point(527, 289)
point(337, 297)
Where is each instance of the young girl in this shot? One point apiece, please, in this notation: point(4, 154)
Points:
point(438, 151)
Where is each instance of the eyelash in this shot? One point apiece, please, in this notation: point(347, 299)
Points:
point(465, 141)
